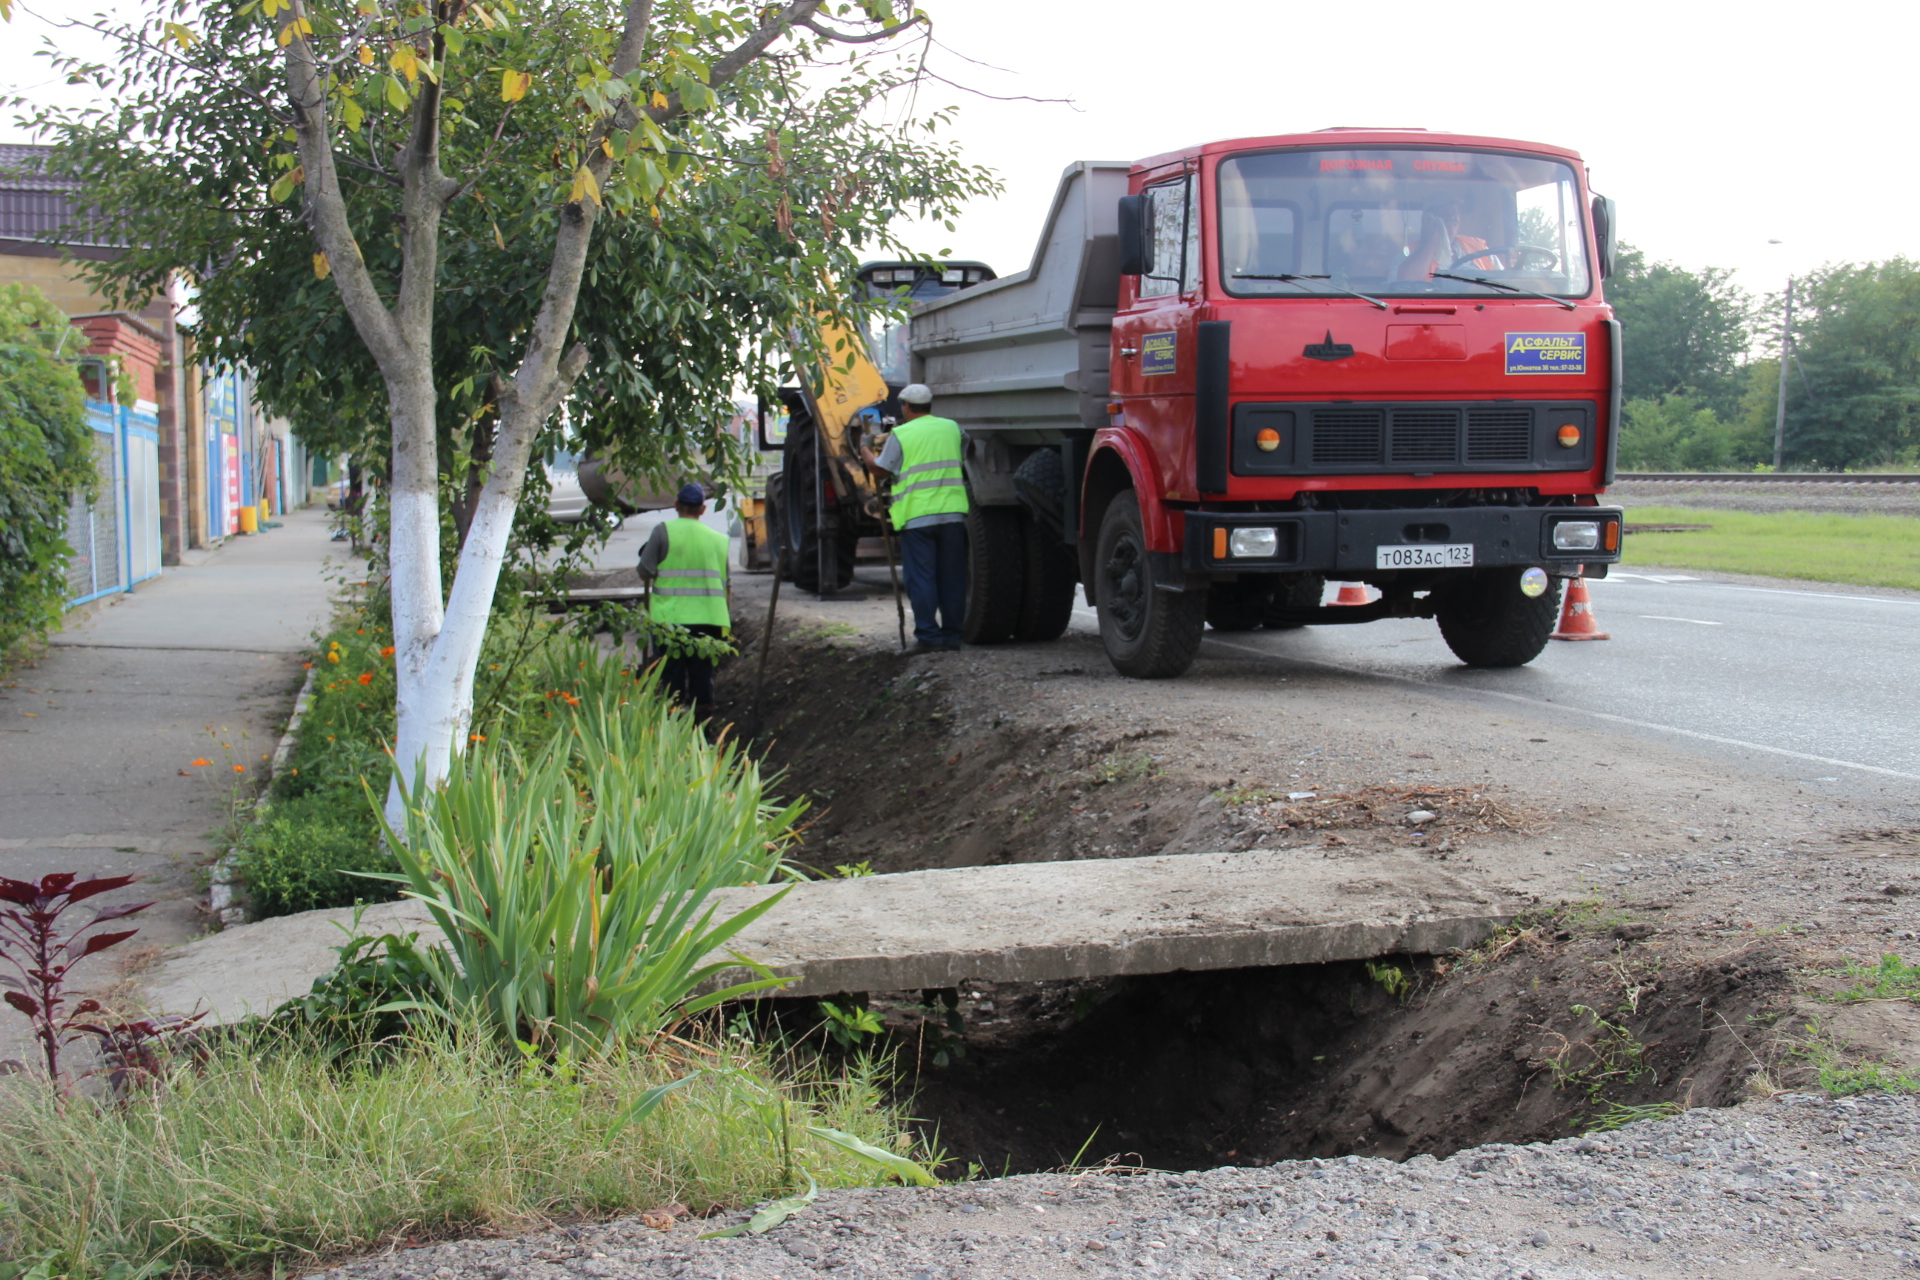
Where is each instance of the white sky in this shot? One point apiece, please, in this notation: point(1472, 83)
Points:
point(1715, 126)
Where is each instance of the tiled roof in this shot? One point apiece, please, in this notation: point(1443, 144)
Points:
point(33, 203)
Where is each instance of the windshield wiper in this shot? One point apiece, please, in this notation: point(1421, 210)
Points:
point(1293, 279)
point(1502, 284)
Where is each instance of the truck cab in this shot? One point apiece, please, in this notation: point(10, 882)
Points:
point(1357, 355)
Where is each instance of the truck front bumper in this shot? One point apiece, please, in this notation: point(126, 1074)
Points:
point(1369, 543)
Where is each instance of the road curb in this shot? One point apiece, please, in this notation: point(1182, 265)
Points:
point(224, 899)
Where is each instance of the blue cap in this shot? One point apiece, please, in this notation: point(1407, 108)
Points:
point(691, 495)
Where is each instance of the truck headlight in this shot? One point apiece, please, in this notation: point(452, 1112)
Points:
point(1576, 535)
point(1260, 543)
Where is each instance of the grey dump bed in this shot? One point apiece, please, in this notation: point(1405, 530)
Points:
point(1024, 358)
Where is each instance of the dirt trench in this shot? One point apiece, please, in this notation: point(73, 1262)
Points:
point(867, 736)
point(1544, 1033)
point(1683, 987)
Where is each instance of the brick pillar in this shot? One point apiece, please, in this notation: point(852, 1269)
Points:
point(170, 391)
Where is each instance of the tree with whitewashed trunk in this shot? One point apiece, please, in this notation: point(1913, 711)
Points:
point(418, 197)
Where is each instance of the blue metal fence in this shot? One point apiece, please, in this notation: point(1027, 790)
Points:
point(116, 538)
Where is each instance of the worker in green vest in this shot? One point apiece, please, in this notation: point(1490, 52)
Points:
point(686, 563)
point(922, 455)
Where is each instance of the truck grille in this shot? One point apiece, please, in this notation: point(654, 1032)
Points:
point(1499, 435)
point(1424, 435)
point(1398, 437)
point(1346, 437)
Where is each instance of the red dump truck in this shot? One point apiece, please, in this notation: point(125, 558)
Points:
point(1235, 372)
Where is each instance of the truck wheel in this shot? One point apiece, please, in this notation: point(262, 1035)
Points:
point(1041, 485)
point(1238, 606)
point(1052, 571)
point(1487, 622)
point(1304, 593)
point(1149, 634)
point(996, 575)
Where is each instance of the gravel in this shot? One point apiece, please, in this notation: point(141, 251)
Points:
point(1795, 1186)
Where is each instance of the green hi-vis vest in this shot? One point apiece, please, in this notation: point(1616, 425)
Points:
point(691, 589)
point(930, 482)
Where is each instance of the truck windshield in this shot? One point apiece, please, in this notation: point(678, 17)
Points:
point(1399, 221)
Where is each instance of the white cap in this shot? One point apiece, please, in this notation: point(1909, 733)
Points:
point(916, 393)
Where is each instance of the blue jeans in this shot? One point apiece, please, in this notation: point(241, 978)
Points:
point(934, 561)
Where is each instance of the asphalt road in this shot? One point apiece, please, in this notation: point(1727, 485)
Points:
point(1811, 684)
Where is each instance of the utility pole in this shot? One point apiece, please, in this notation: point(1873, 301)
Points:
point(1780, 404)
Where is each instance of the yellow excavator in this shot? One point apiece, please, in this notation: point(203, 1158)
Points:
point(823, 501)
point(808, 518)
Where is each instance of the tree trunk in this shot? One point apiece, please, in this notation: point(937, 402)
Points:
point(437, 650)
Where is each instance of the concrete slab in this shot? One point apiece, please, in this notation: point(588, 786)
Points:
point(920, 929)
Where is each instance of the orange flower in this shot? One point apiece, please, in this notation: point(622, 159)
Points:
point(307, 665)
point(476, 737)
point(239, 768)
point(201, 761)
point(366, 677)
point(387, 652)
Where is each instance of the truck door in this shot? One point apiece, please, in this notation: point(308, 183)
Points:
point(1154, 335)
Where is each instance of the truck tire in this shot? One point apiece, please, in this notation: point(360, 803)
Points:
point(800, 534)
point(1238, 606)
point(1488, 622)
point(1302, 594)
point(1149, 634)
point(996, 575)
point(1052, 572)
point(1041, 485)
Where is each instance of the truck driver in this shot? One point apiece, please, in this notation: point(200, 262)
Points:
point(1441, 246)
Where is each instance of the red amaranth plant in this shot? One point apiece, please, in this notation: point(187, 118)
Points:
point(32, 943)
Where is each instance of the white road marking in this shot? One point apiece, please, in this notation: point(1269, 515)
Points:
point(1698, 622)
point(1596, 715)
point(1668, 579)
point(1644, 577)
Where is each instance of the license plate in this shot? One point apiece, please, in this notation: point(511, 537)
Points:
point(1446, 555)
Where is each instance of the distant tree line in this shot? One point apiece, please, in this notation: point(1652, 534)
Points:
point(1703, 367)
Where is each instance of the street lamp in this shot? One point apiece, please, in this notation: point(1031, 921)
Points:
point(1780, 400)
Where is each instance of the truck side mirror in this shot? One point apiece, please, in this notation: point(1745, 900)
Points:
point(1136, 247)
point(1603, 232)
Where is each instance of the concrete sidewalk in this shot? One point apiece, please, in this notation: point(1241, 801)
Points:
point(97, 740)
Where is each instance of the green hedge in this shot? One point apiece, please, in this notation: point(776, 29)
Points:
point(45, 458)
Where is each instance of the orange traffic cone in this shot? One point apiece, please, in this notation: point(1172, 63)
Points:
point(1353, 593)
point(1576, 615)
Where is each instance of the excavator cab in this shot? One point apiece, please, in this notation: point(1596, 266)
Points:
point(823, 501)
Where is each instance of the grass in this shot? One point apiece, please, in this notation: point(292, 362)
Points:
point(1618, 1115)
point(1873, 551)
point(317, 829)
point(1842, 1071)
point(1892, 979)
point(304, 851)
point(269, 1157)
point(529, 1072)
